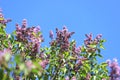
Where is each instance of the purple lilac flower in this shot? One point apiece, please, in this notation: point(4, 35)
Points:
point(17, 77)
point(51, 34)
point(89, 41)
point(30, 36)
point(99, 36)
point(76, 50)
point(3, 54)
point(29, 65)
point(62, 39)
point(24, 23)
point(115, 69)
point(44, 63)
point(88, 76)
point(73, 78)
point(2, 19)
point(108, 62)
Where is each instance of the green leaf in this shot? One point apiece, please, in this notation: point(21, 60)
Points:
point(92, 46)
point(103, 40)
point(82, 49)
point(66, 54)
point(22, 66)
point(5, 43)
point(99, 55)
point(104, 64)
point(102, 47)
point(72, 72)
point(19, 44)
point(72, 58)
point(7, 56)
point(1, 74)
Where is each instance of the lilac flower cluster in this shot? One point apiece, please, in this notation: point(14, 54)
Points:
point(88, 76)
point(2, 19)
point(76, 50)
point(89, 41)
point(62, 39)
point(3, 54)
point(44, 59)
point(114, 69)
point(30, 36)
point(29, 65)
point(44, 63)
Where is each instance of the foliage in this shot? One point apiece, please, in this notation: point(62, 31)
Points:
point(22, 57)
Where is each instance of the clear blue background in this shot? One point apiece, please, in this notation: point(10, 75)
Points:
point(80, 16)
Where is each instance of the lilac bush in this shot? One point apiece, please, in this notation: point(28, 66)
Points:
point(23, 58)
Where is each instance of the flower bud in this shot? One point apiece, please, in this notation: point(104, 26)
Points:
point(51, 34)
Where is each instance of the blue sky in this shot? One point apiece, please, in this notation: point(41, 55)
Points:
point(80, 16)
